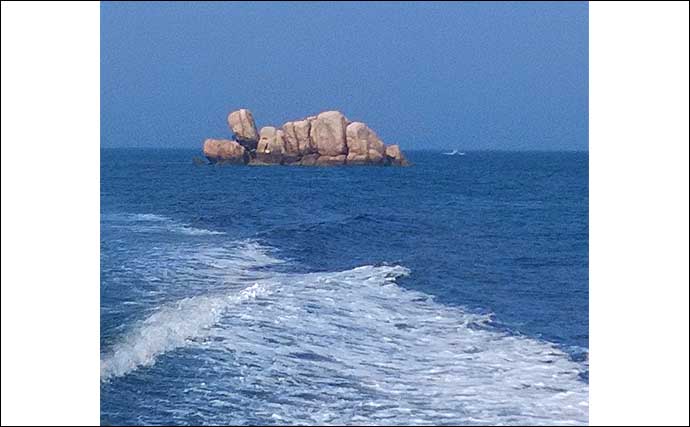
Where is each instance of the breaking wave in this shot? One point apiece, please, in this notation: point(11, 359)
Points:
point(169, 328)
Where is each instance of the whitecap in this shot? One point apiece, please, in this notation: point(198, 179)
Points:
point(153, 223)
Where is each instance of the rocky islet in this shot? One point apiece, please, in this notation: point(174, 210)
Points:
point(327, 139)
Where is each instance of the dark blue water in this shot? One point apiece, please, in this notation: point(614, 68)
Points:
point(452, 291)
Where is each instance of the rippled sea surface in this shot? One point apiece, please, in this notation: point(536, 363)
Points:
point(454, 291)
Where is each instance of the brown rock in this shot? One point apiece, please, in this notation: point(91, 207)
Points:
point(271, 146)
point(225, 151)
point(290, 138)
point(393, 151)
point(309, 159)
point(241, 123)
point(326, 139)
point(363, 145)
point(328, 133)
point(297, 135)
point(303, 130)
point(376, 157)
point(291, 154)
point(395, 157)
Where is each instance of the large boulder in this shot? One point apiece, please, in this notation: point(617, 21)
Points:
point(291, 155)
point(271, 146)
point(242, 125)
point(328, 133)
point(297, 138)
point(225, 151)
point(290, 139)
point(395, 157)
point(363, 145)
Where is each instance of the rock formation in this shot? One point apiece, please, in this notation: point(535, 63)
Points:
point(298, 134)
point(326, 139)
point(241, 123)
point(271, 147)
point(363, 145)
point(395, 156)
point(225, 151)
point(328, 132)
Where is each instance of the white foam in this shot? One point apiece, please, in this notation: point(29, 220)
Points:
point(149, 217)
point(193, 231)
point(349, 347)
point(130, 217)
point(168, 328)
point(355, 336)
point(221, 275)
point(147, 223)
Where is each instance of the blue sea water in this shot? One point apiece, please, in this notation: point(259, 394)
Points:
point(454, 291)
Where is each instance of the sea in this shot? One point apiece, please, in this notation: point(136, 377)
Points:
point(453, 291)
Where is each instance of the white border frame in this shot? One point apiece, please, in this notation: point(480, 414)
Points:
point(50, 213)
point(638, 213)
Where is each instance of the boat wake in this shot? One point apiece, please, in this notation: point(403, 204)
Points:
point(345, 347)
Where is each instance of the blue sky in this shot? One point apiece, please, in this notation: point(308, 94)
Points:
point(471, 75)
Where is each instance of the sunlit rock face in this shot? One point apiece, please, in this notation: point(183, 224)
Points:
point(242, 125)
point(363, 145)
point(271, 146)
point(225, 151)
point(328, 133)
point(326, 139)
point(395, 157)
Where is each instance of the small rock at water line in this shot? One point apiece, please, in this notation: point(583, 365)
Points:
point(395, 156)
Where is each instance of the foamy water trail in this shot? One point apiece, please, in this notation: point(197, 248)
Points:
point(229, 275)
point(353, 347)
point(170, 328)
point(349, 347)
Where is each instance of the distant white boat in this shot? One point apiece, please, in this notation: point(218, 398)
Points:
point(455, 153)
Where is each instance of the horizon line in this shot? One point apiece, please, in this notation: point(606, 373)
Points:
point(405, 149)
